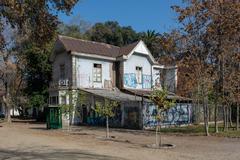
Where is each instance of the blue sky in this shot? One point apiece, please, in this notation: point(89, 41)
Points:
point(140, 14)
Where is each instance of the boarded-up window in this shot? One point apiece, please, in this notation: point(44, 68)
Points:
point(97, 72)
point(139, 75)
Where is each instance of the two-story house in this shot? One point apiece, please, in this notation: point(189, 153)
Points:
point(125, 74)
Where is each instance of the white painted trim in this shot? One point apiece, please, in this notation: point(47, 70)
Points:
point(158, 66)
point(149, 53)
point(93, 56)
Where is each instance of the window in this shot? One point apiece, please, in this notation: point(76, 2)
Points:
point(97, 72)
point(139, 75)
point(54, 100)
point(62, 71)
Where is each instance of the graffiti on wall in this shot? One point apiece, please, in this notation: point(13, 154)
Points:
point(149, 114)
point(147, 81)
point(130, 80)
point(178, 115)
point(92, 118)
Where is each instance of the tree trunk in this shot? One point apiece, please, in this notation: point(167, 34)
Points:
point(158, 139)
point(224, 118)
point(7, 109)
point(216, 118)
point(237, 123)
point(230, 116)
point(206, 120)
point(107, 125)
point(205, 108)
point(227, 115)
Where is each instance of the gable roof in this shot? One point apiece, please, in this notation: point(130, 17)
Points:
point(90, 47)
point(99, 49)
point(125, 50)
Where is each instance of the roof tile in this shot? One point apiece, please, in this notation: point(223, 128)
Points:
point(90, 47)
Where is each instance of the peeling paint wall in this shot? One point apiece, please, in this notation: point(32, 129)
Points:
point(84, 73)
point(129, 70)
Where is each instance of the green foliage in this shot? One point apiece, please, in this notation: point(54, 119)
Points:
point(76, 29)
point(198, 130)
point(112, 33)
point(159, 97)
point(106, 109)
point(76, 98)
point(37, 101)
point(67, 109)
point(36, 70)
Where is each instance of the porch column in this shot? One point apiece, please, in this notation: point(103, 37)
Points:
point(123, 114)
point(141, 114)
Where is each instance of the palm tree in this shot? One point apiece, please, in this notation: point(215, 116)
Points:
point(151, 40)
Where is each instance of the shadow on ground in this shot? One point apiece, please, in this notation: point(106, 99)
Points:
point(53, 155)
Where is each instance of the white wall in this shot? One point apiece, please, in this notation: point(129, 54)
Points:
point(84, 72)
point(141, 48)
point(130, 68)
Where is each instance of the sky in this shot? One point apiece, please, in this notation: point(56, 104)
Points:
point(142, 15)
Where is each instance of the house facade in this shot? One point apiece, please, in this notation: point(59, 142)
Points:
point(125, 74)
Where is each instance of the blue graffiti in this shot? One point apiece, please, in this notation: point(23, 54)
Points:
point(147, 81)
point(178, 115)
point(130, 80)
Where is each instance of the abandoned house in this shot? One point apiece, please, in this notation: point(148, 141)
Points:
point(125, 74)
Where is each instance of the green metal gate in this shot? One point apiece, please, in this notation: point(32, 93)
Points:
point(54, 118)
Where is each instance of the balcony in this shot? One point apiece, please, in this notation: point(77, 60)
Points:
point(62, 83)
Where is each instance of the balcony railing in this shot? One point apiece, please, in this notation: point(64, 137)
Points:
point(60, 83)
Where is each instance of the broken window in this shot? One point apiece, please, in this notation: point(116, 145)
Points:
point(139, 75)
point(97, 72)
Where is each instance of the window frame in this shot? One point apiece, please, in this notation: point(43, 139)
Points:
point(97, 72)
point(54, 99)
point(139, 74)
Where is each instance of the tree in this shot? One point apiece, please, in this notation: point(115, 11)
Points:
point(8, 78)
point(112, 33)
point(76, 28)
point(151, 39)
point(212, 30)
point(159, 97)
point(106, 110)
point(36, 21)
point(37, 68)
point(71, 108)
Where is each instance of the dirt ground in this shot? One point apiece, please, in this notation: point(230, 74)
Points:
point(21, 141)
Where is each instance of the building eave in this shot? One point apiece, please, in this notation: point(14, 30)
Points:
point(95, 56)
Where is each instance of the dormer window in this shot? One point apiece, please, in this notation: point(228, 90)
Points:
point(97, 72)
point(139, 74)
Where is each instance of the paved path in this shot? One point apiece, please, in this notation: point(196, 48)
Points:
point(32, 141)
